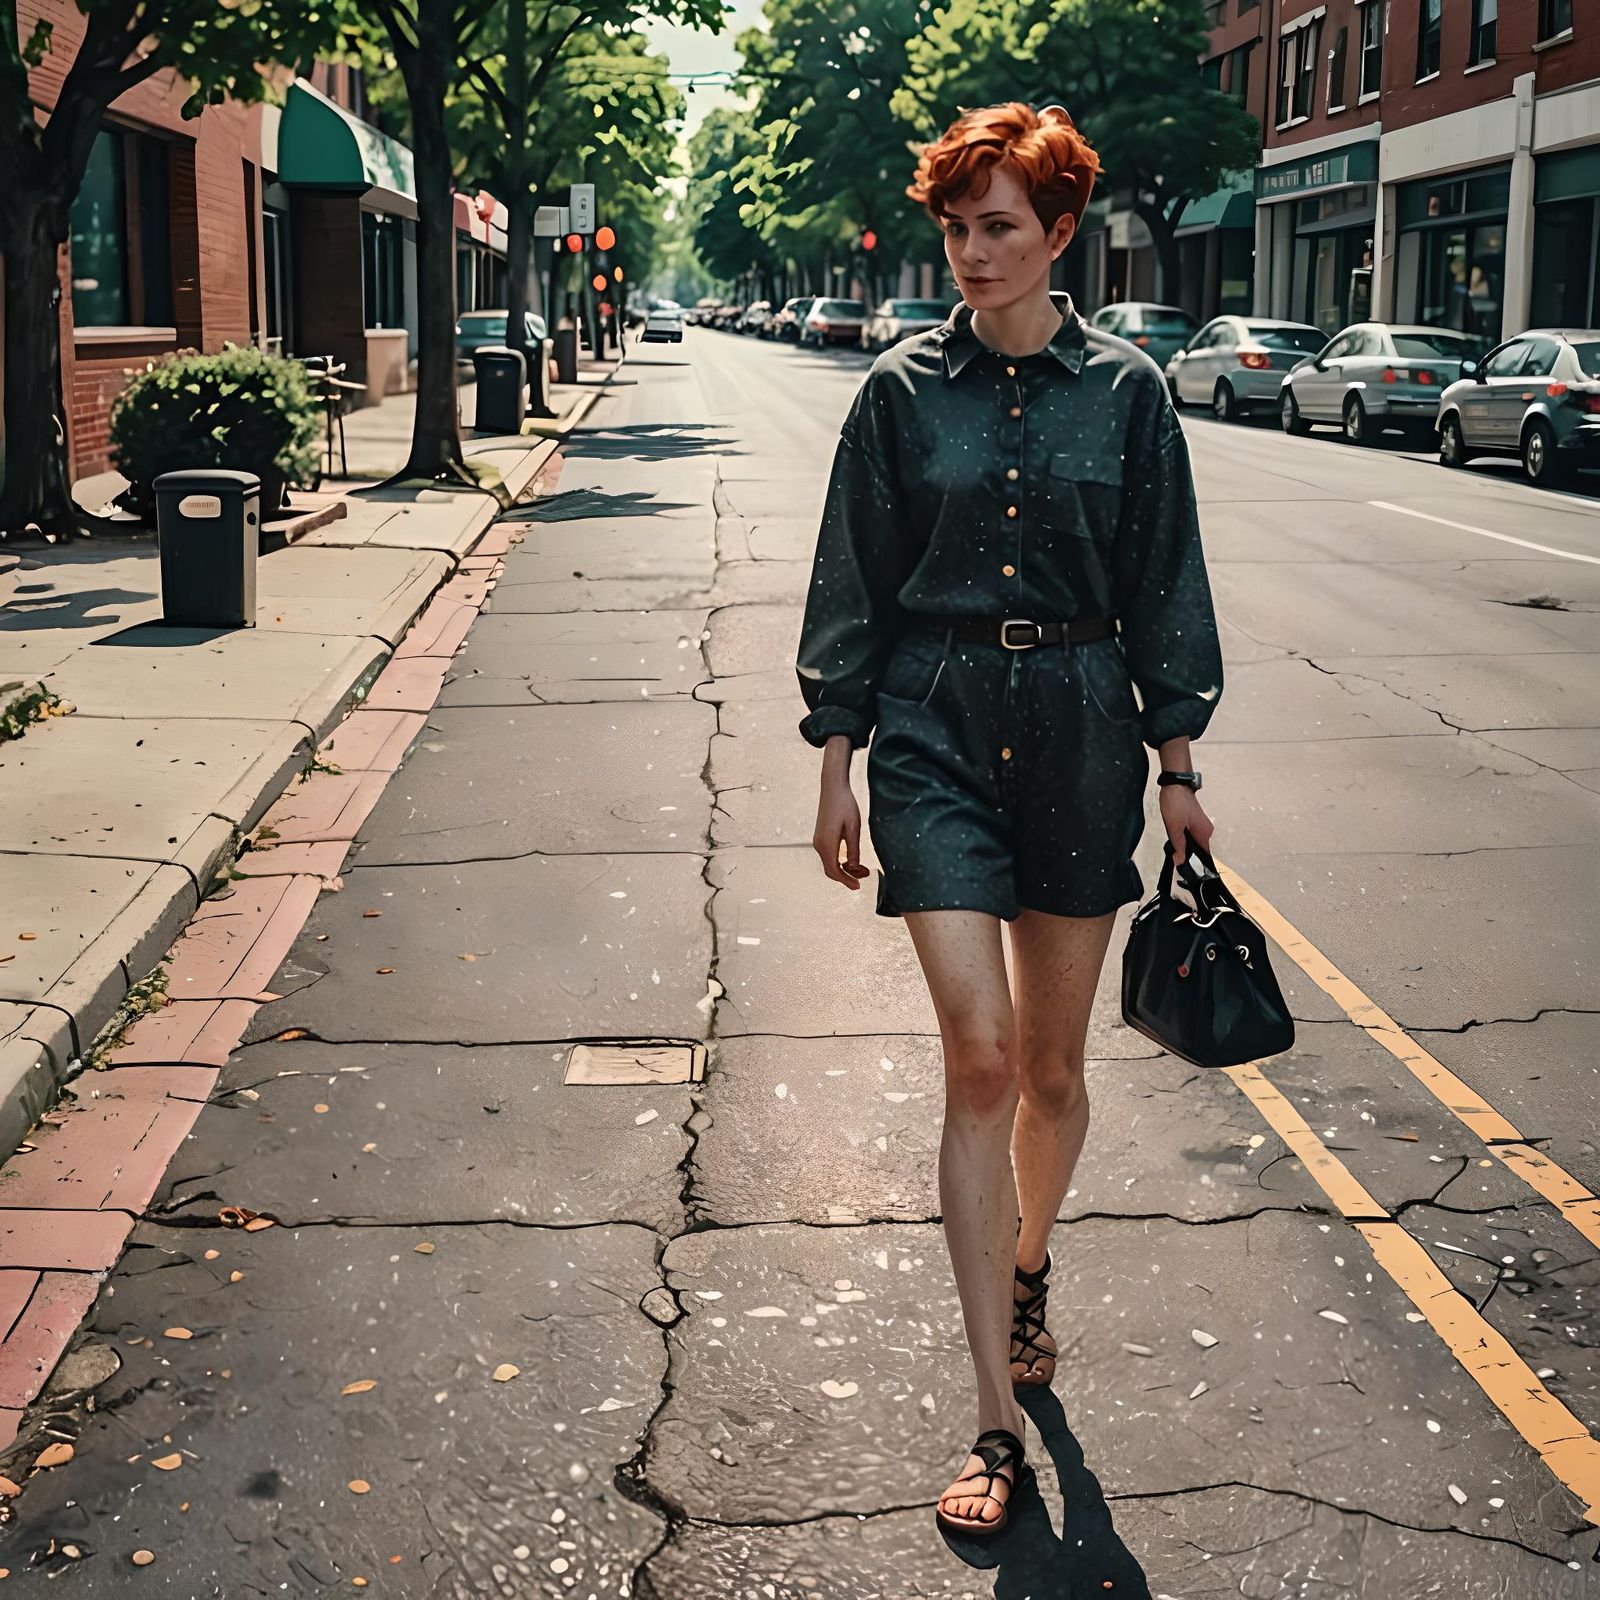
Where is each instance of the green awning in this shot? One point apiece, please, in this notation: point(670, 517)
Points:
point(1231, 206)
point(323, 146)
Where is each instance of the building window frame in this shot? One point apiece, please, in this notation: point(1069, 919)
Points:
point(1481, 40)
point(1555, 22)
point(1430, 37)
point(1374, 25)
point(1297, 68)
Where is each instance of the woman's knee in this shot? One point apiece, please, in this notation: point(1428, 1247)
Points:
point(980, 1069)
point(1055, 1082)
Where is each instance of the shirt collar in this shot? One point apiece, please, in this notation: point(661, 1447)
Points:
point(961, 344)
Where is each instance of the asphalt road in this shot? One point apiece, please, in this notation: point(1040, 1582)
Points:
point(1327, 1326)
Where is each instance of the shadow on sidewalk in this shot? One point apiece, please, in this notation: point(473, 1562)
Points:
point(647, 441)
point(1032, 1560)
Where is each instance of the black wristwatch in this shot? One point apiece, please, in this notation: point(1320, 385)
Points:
point(1190, 780)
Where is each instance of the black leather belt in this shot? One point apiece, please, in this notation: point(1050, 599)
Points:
point(1020, 633)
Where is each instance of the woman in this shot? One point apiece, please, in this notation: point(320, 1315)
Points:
point(1008, 546)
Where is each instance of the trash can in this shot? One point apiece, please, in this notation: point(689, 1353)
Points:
point(208, 526)
point(502, 389)
point(566, 342)
point(539, 381)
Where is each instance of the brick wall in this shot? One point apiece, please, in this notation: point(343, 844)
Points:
point(1322, 123)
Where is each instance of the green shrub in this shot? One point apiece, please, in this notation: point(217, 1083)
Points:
point(240, 408)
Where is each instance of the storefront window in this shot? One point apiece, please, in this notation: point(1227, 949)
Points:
point(1566, 287)
point(1462, 278)
point(121, 243)
point(381, 241)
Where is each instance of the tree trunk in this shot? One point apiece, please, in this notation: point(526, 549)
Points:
point(37, 489)
point(1169, 271)
point(436, 430)
point(519, 251)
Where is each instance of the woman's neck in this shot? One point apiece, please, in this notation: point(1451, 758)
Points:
point(1022, 328)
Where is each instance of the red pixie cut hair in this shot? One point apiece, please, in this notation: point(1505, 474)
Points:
point(1055, 162)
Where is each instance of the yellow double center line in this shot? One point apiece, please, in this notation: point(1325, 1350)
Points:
point(1563, 1443)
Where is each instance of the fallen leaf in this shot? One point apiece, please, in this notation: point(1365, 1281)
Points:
point(293, 1033)
point(211, 1255)
point(169, 1463)
point(1202, 1338)
point(177, 1333)
point(360, 1386)
point(143, 1558)
point(11, 957)
point(367, 1149)
point(27, 938)
point(53, 1455)
point(505, 1372)
point(359, 1486)
point(383, 972)
point(320, 1109)
point(234, 1277)
point(838, 1391)
point(466, 955)
point(234, 1216)
point(370, 913)
point(256, 1224)
point(423, 1249)
point(1410, 1138)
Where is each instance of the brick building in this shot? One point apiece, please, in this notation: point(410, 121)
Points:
point(290, 226)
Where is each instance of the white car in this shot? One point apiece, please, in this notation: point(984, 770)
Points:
point(663, 324)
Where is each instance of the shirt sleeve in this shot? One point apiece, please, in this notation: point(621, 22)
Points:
point(852, 613)
point(1162, 594)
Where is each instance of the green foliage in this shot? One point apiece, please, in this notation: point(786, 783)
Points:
point(240, 408)
point(35, 705)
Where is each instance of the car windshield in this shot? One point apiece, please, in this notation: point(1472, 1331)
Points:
point(1165, 319)
point(842, 308)
point(1453, 346)
point(1306, 340)
point(1588, 355)
point(919, 308)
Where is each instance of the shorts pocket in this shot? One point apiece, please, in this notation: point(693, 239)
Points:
point(1106, 682)
point(915, 667)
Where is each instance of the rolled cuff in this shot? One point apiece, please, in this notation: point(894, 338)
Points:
point(1183, 719)
point(818, 726)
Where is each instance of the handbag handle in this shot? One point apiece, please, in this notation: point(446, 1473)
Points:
point(1206, 886)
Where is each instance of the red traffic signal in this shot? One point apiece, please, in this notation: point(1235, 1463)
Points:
point(869, 240)
point(599, 281)
point(604, 238)
point(574, 243)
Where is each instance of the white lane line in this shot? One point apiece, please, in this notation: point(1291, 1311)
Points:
point(1487, 533)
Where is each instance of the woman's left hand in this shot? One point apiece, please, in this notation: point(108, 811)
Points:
point(1182, 812)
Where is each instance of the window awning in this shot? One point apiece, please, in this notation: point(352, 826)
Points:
point(1231, 206)
point(323, 146)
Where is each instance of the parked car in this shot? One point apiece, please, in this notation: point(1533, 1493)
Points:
point(663, 324)
point(754, 317)
point(1373, 377)
point(786, 321)
point(895, 320)
point(475, 329)
point(1234, 364)
point(1536, 397)
point(834, 322)
point(1157, 330)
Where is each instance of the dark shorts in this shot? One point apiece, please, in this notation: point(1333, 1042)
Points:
point(958, 825)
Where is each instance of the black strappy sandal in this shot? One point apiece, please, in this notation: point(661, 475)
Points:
point(995, 1448)
point(1027, 1323)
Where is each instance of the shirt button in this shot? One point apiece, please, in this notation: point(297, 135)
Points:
point(1011, 372)
point(1011, 473)
point(1016, 411)
point(1009, 570)
point(1011, 511)
point(1005, 753)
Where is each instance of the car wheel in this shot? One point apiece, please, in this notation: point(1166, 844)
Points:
point(1224, 404)
point(1357, 430)
point(1452, 448)
point(1289, 416)
point(1540, 459)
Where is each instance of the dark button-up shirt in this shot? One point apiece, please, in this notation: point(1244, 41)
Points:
point(971, 483)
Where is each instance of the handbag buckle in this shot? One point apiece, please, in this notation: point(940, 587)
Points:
point(1020, 622)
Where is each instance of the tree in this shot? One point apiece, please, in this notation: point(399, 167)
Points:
point(216, 50)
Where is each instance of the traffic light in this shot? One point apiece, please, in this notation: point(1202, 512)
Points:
point(599, 281)
point(869, 240)
point(617, 274)
point(574, 243)
point(605, 237)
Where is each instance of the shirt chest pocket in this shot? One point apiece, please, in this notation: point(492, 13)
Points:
point(1083, 489)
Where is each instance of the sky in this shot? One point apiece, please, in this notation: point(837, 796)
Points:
point(694, 50)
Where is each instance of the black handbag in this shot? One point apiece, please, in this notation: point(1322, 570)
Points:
point(1198, 980)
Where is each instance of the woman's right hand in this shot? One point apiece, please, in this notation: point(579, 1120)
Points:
point(839, 818)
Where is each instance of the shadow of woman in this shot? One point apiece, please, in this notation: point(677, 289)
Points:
point(1031, 1559)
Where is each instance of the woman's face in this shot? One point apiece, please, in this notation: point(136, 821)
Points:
point(998, 249)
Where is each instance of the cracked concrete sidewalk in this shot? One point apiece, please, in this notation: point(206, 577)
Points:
point(738, 1364)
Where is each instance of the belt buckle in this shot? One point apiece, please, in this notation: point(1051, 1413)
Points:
point(1020, 622)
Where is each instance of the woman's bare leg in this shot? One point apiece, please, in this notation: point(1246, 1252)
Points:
point(1057, 962)
point(964, 965)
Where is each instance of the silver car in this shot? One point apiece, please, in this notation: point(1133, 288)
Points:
point(895, 320)
point(1157, 330)
point(1536, 397)
point(1374, 377)
point(1235, 363)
